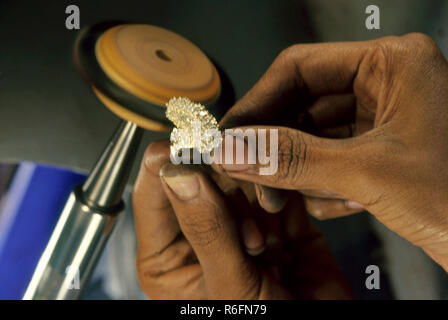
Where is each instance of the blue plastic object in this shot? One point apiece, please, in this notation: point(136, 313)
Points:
point(28, 214)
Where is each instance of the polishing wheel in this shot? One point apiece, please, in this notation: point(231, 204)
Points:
point(134, 69)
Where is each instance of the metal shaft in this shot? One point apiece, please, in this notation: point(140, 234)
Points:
point(86, 222)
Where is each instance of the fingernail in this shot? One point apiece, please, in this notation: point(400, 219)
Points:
point(237, 167)
point(353, 205)
point(183, 182)
point(272, 200)
point(255, 252)
point(252, 237)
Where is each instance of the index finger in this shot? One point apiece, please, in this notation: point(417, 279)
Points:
point(299, 72)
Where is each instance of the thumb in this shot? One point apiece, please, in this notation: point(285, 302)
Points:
point(287, 158)
point(209, 227)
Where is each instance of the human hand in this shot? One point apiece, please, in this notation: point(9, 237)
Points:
point(387, 99)
point(191, 244)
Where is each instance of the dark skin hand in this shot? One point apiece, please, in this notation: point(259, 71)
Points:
point(374, 134)
point(195, 242)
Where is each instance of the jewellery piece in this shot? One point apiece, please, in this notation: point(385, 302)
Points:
point(195, 127)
